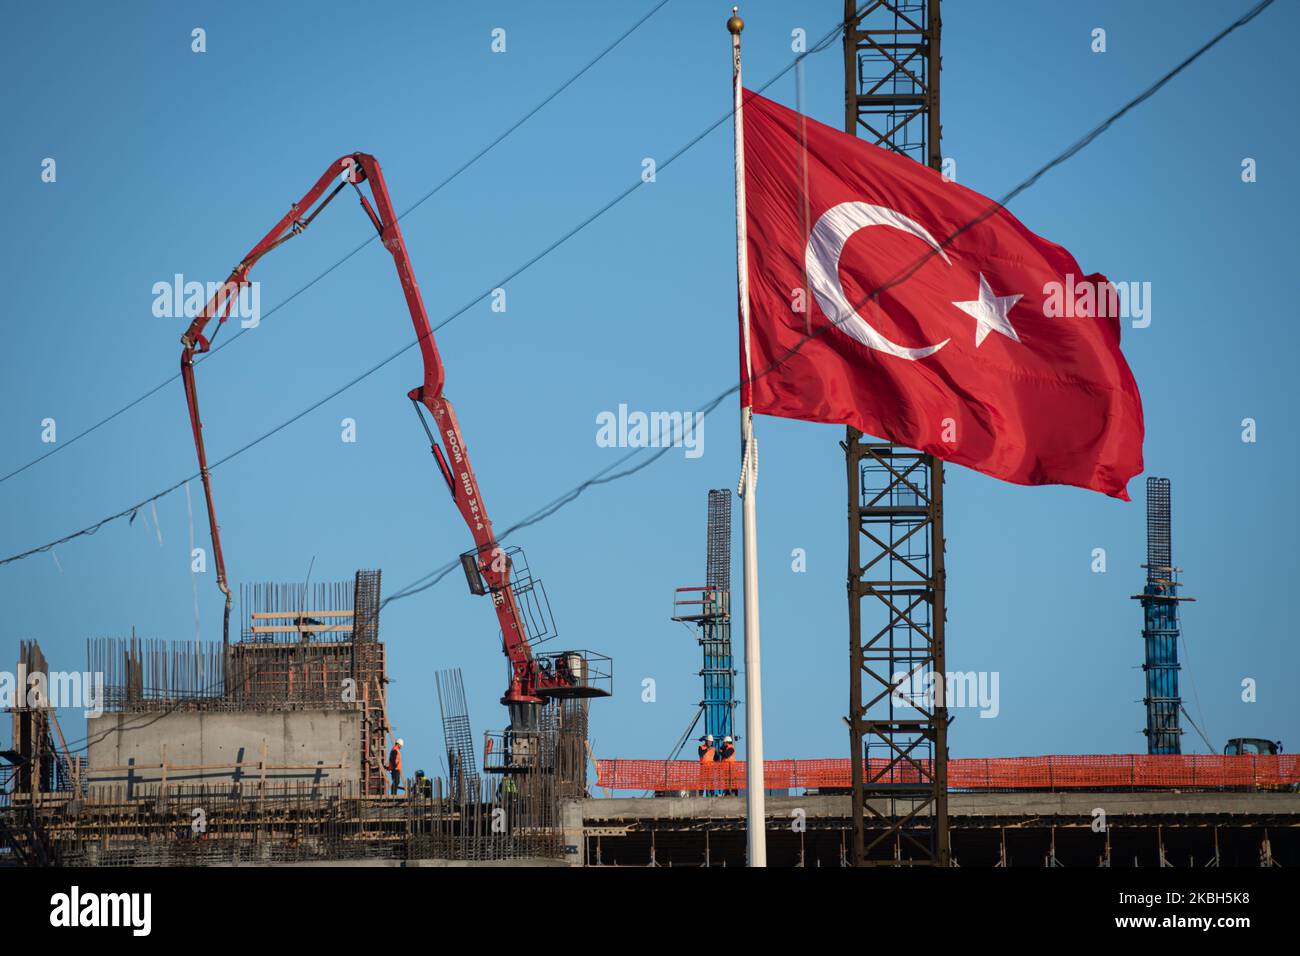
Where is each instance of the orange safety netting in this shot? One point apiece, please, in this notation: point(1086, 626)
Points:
point(1082, 772)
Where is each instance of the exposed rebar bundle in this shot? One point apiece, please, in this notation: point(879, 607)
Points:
point(462, 764)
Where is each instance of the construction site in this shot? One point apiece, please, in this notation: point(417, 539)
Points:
point(272, 750)
point(275, 745)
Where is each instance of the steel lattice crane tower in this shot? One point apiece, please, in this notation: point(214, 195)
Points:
point(896, 575)
point(1160, 629)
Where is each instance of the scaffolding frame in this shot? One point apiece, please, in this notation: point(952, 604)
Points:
point(708, 610)
point(285, 823)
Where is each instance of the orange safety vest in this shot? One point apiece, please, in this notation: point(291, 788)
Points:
point(706, 753)
point(395, 760)
point(728, 754)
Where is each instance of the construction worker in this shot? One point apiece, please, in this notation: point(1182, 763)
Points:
point(423, 785)
point(708, 753)
point(395, 765)
point(727, 754)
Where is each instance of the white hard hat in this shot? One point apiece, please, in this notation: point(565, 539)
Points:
point(708, 736)
point(402, 743)
point(726, 740)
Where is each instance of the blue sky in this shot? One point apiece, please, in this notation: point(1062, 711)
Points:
point(170, 161)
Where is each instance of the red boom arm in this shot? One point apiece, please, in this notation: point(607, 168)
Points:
point(492, 561)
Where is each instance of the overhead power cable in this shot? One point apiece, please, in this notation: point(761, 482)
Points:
point(529, 263)
point(605, 475)
point(58, 447)
point(1025, 184)
point(615, 471)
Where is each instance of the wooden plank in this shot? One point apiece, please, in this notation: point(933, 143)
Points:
point(303, 628)
point(276, 615)
point(282, 647)
point(173, 767)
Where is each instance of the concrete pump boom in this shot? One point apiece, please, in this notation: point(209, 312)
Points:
point(488, 559)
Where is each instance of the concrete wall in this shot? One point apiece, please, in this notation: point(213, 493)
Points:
point(321, 746)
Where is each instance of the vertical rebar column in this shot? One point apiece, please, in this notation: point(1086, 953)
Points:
point(462, 762)
point(896, 542)
point(718, 671)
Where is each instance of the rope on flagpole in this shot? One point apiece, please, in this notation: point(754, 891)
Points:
point(748, 466)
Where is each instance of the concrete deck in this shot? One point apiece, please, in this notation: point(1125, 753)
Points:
point(960, 805)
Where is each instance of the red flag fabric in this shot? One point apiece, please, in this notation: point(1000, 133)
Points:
point(995, 352)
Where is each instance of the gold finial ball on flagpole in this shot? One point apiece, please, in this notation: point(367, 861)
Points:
point(735, 24)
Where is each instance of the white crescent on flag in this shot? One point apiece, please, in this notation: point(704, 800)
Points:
point(822, 259)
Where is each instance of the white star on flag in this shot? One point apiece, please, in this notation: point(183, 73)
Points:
point(990, 312)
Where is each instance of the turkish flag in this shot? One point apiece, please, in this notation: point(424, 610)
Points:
point(989, 349)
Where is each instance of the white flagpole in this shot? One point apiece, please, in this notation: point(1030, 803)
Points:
point(754, 784)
